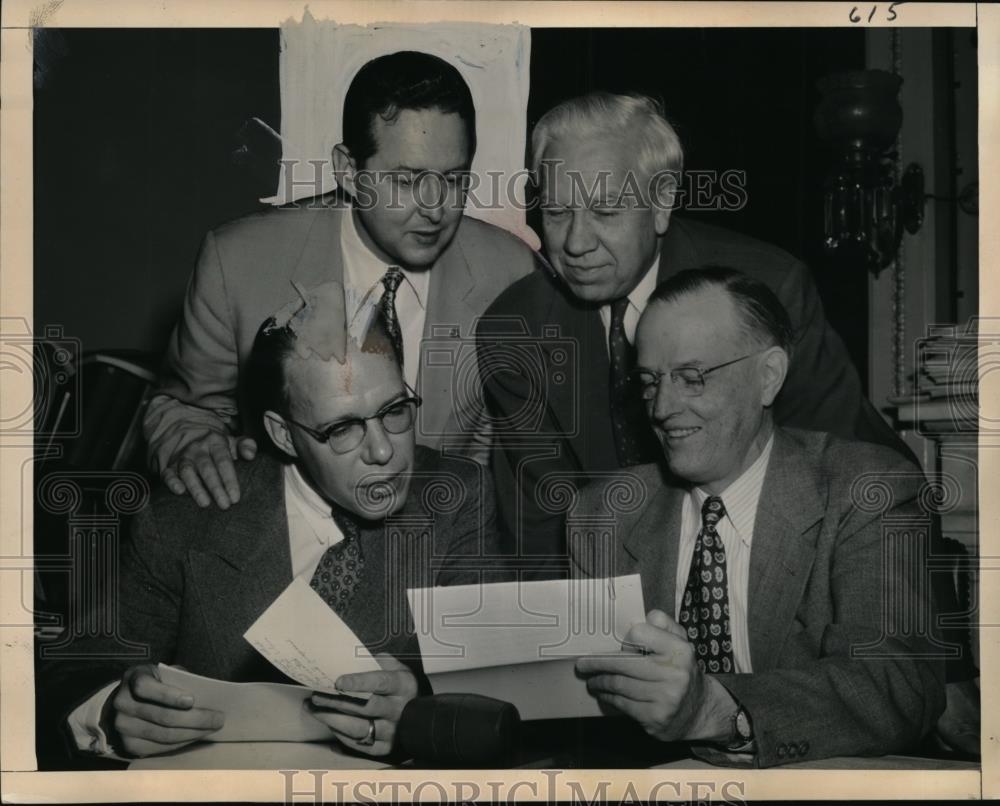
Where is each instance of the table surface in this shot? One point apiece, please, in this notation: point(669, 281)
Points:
point(324, 756)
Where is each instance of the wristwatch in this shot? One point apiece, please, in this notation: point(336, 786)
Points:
point(741, 732)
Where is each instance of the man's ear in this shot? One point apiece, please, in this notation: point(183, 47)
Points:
point(277, 430)
point(774, 368)
point(662, 189)
point(344, 168)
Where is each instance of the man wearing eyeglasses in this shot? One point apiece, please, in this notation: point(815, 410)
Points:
point(781, 628)
point(348, 503)
point(608, 167)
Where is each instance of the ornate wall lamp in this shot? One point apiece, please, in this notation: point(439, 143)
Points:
point(866, 204)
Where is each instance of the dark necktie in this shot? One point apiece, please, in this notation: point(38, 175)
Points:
point(387, 309)
point(622, 356)
point(338, 573)
point(705, 609)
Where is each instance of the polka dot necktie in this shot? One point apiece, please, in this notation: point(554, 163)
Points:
point(622, 356)
point(705, 609)
point(338, 573)
point(387, 308)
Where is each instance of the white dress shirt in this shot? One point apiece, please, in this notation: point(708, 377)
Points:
point(637, 300)
point(736, 530)
point(311, 531)
point(363, 272)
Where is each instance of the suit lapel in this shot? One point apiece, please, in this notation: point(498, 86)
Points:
point(447, 337)
point(245, 564)
point(577, 352)
point(653, 541)
point(397, 556)
point(320, 259)
point(784, 543)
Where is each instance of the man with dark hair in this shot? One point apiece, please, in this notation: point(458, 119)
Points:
point(393, 234)
point(608, 167)
point(346, 501)
point(787, 609)
point(405, 80)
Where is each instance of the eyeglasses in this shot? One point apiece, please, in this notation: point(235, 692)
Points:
point(690, 380)
point(346, 435)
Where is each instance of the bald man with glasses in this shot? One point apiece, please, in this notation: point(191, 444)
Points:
point(346, 501)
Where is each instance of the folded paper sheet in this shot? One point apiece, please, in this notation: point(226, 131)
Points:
point(518, 641)
point(308, 641)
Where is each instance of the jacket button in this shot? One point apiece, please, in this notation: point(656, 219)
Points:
point(803, 748)
point(782, 750)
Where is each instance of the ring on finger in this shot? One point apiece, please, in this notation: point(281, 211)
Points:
point(369, 738)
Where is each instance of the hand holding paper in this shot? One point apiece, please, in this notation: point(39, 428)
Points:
point(147, 715)
point(352, 720)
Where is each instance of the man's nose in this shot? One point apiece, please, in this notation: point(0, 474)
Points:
point(669, 400)
point(580, 237)
point(432, 198)
point(377, 445)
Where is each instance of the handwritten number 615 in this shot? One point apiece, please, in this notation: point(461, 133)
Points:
point(890, 15)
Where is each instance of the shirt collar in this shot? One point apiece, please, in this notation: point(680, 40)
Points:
point(742, 496)
point(364, 269)
point(309, 502)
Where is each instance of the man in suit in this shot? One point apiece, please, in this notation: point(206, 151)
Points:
point(786, 602)
point(395, 237)
point(352, 506)
point(555, 348)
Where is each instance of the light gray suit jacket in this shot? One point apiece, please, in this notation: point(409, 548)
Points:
point(244, 275)
point(839, 536)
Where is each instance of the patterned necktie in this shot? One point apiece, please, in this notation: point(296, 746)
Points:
point(705, 610)
point(387, 308)
point(337, 576)
point(622, 356)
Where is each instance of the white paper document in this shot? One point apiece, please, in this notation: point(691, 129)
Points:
point(255, 712)
point(301, 635)
point(519, 641)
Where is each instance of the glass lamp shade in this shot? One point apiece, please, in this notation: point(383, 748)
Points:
point(859, 116)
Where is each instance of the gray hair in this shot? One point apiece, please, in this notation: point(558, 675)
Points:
point(605, 112)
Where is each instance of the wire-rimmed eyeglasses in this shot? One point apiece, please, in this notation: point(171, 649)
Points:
point(343, 436)
point(690, 380)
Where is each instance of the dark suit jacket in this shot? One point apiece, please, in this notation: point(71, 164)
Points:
point(244, 275)
point(193, 580)
point(544, 361)
point(839, 538)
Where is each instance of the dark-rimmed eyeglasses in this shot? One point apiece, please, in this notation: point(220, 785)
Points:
point(345, 435)
point(689, 380)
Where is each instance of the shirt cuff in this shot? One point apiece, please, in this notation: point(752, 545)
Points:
point(85, 725)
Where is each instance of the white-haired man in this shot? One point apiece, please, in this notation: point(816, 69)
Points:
point(608, 168)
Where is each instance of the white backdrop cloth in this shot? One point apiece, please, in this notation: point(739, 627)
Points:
point(319, 58)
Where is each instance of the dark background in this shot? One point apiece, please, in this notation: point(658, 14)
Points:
point(136, 132)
